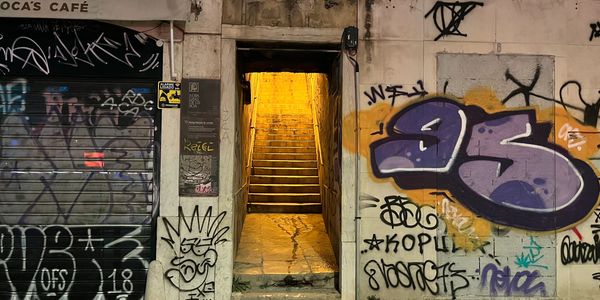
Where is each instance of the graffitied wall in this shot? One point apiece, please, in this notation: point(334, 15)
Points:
point(76, 152)
point(77, 159)
point(469, 185)
point(74, 261)
point(419, 245)
point(474, 256)
point(73, 48)
point(193, 238)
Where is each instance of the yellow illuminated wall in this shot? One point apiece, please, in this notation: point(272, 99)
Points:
point(307, 95)
point(285, 92)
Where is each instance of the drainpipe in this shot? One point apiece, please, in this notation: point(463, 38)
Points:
point(172, 52)
point(349, 47)
point(357, 217)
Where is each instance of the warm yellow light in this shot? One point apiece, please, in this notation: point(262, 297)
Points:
point(285, 93)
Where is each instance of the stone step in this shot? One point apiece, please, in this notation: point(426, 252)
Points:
point(284, 149)
point(293, 113)
point(281, 110)
point(284, 143)
point(282, 253)
point(284, 171)
point(297, 134)
point(278, 195)
point(311, 294)
point(267, 106)
point(282, 103)
point(279, 104)
point(284, 188)
point(310, 284)
point(281, 128)
point(283, 163)
point(286, 125)
point(284, 156)
point(283, 179)
point(307, 119)
point(285, 208)
point(300, 121)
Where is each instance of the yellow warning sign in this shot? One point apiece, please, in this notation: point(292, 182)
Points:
point(169, 94)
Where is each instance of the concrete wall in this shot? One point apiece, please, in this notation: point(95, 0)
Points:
point(242, 160)
point(327, 105)
point(200, 54)
point(207, 51)
point(433, 223)
point(427, 232)
point(290, 13)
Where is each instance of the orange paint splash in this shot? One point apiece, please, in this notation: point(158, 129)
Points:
point(369, 121)
point(580, 140)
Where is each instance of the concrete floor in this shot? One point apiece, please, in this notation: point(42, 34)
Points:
point(294, 244)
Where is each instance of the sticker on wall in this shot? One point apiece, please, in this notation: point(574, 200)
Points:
point(199, 148)
point(169, 94)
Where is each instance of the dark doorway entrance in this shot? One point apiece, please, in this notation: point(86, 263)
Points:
point(290, 141)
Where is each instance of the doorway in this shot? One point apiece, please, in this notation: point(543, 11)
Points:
point(290, 144)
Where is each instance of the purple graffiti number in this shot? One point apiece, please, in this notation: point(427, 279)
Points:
point(526, 180)
point(425, 138)
point(500, 166)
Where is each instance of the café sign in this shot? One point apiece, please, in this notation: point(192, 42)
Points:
point(130, 10)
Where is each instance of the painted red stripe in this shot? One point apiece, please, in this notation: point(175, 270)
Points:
point(577, 233)
point(93, 155)
point(94, 164)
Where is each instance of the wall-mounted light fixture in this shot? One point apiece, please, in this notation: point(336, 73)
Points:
point(350, 38)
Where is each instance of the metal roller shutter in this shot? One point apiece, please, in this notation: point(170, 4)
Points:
point(78, 144)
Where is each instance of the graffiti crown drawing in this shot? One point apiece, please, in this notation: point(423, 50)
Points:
point(195, 256)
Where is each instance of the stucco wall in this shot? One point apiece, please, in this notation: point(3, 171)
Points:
point(290, 13)
point(502, 61)
point(327, 105)
point(489, 59)
point(200, 54)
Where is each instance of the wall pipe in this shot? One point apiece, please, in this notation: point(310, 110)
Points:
point(357, 216)
point(172, 51)
point(357, 204)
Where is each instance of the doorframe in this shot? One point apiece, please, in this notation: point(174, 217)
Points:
point(231, 34)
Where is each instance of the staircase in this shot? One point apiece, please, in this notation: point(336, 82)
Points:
point(284, 176)
point(284, 251)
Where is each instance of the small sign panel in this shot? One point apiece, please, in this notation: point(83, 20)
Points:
point(199, 135)
point(169, 94)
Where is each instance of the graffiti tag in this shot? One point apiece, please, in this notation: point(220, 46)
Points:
point(12, 96)
point(447, 16)
point(532, 257)
point(64, 262)
point(416, 275)
point(195, 255)
point(579, 251)
point(595, 30)
point(494, 164)
point(393, 92)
